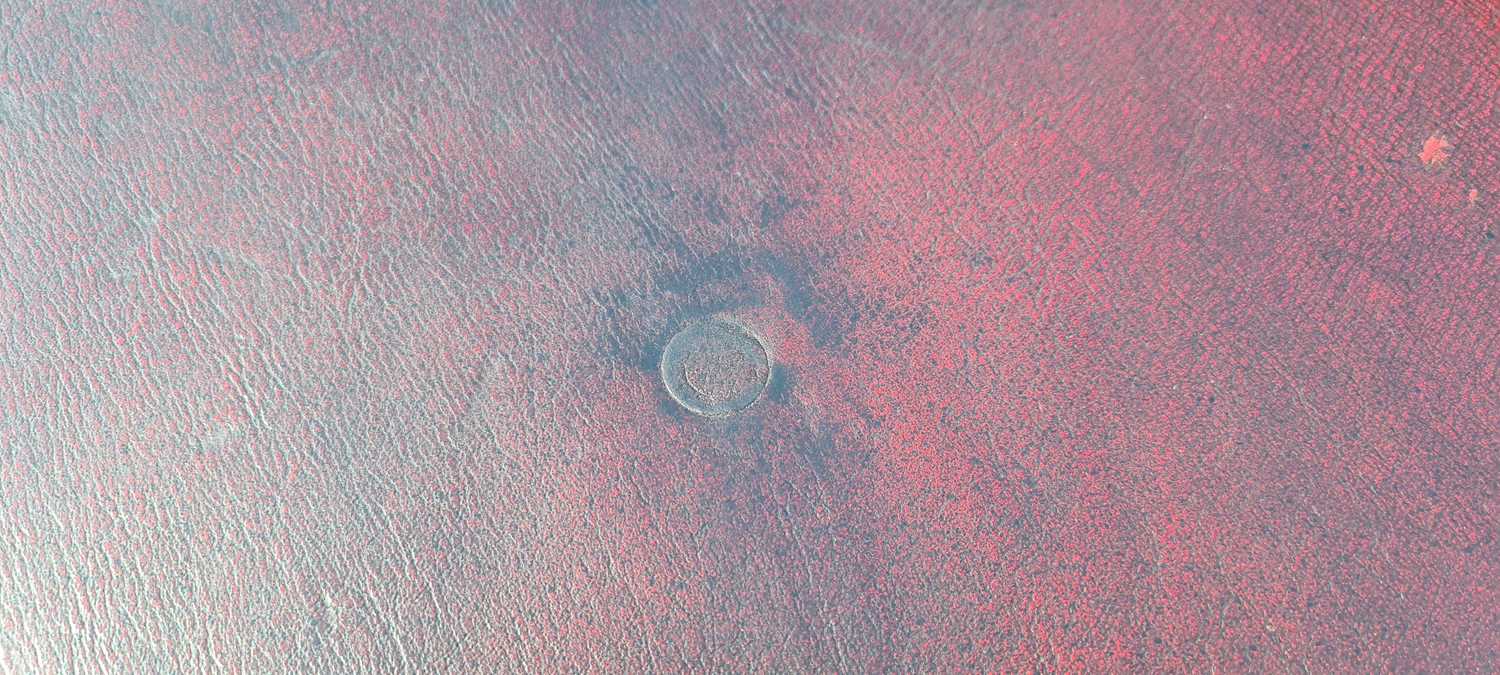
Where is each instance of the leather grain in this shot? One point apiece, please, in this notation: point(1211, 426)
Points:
point(1145, 335)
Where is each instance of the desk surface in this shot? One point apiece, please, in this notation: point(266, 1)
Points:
point(1098, 336)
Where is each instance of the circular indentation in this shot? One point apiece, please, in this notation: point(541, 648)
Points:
point(715, 368)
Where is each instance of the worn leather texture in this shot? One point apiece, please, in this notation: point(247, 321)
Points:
point(1106, 336)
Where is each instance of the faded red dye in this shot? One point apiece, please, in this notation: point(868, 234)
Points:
point(1146, 336)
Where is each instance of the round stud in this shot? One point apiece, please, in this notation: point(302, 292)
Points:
point(715, 368)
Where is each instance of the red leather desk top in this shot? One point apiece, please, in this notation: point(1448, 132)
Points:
point(1102, 336)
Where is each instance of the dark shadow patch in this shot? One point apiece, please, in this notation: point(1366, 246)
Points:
point(818, 450)
point(729, 264)
point(829, 330)
point(704, 286)
point(640, 319)
point(774, 208)
point(657, 234)
point(780, 388)
point(710, 208)
point(675, 412)
point(644, 196)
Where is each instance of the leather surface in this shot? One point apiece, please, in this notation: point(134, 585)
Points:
point(1107, 336)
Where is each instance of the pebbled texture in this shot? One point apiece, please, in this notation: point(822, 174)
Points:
point(1108, 336)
